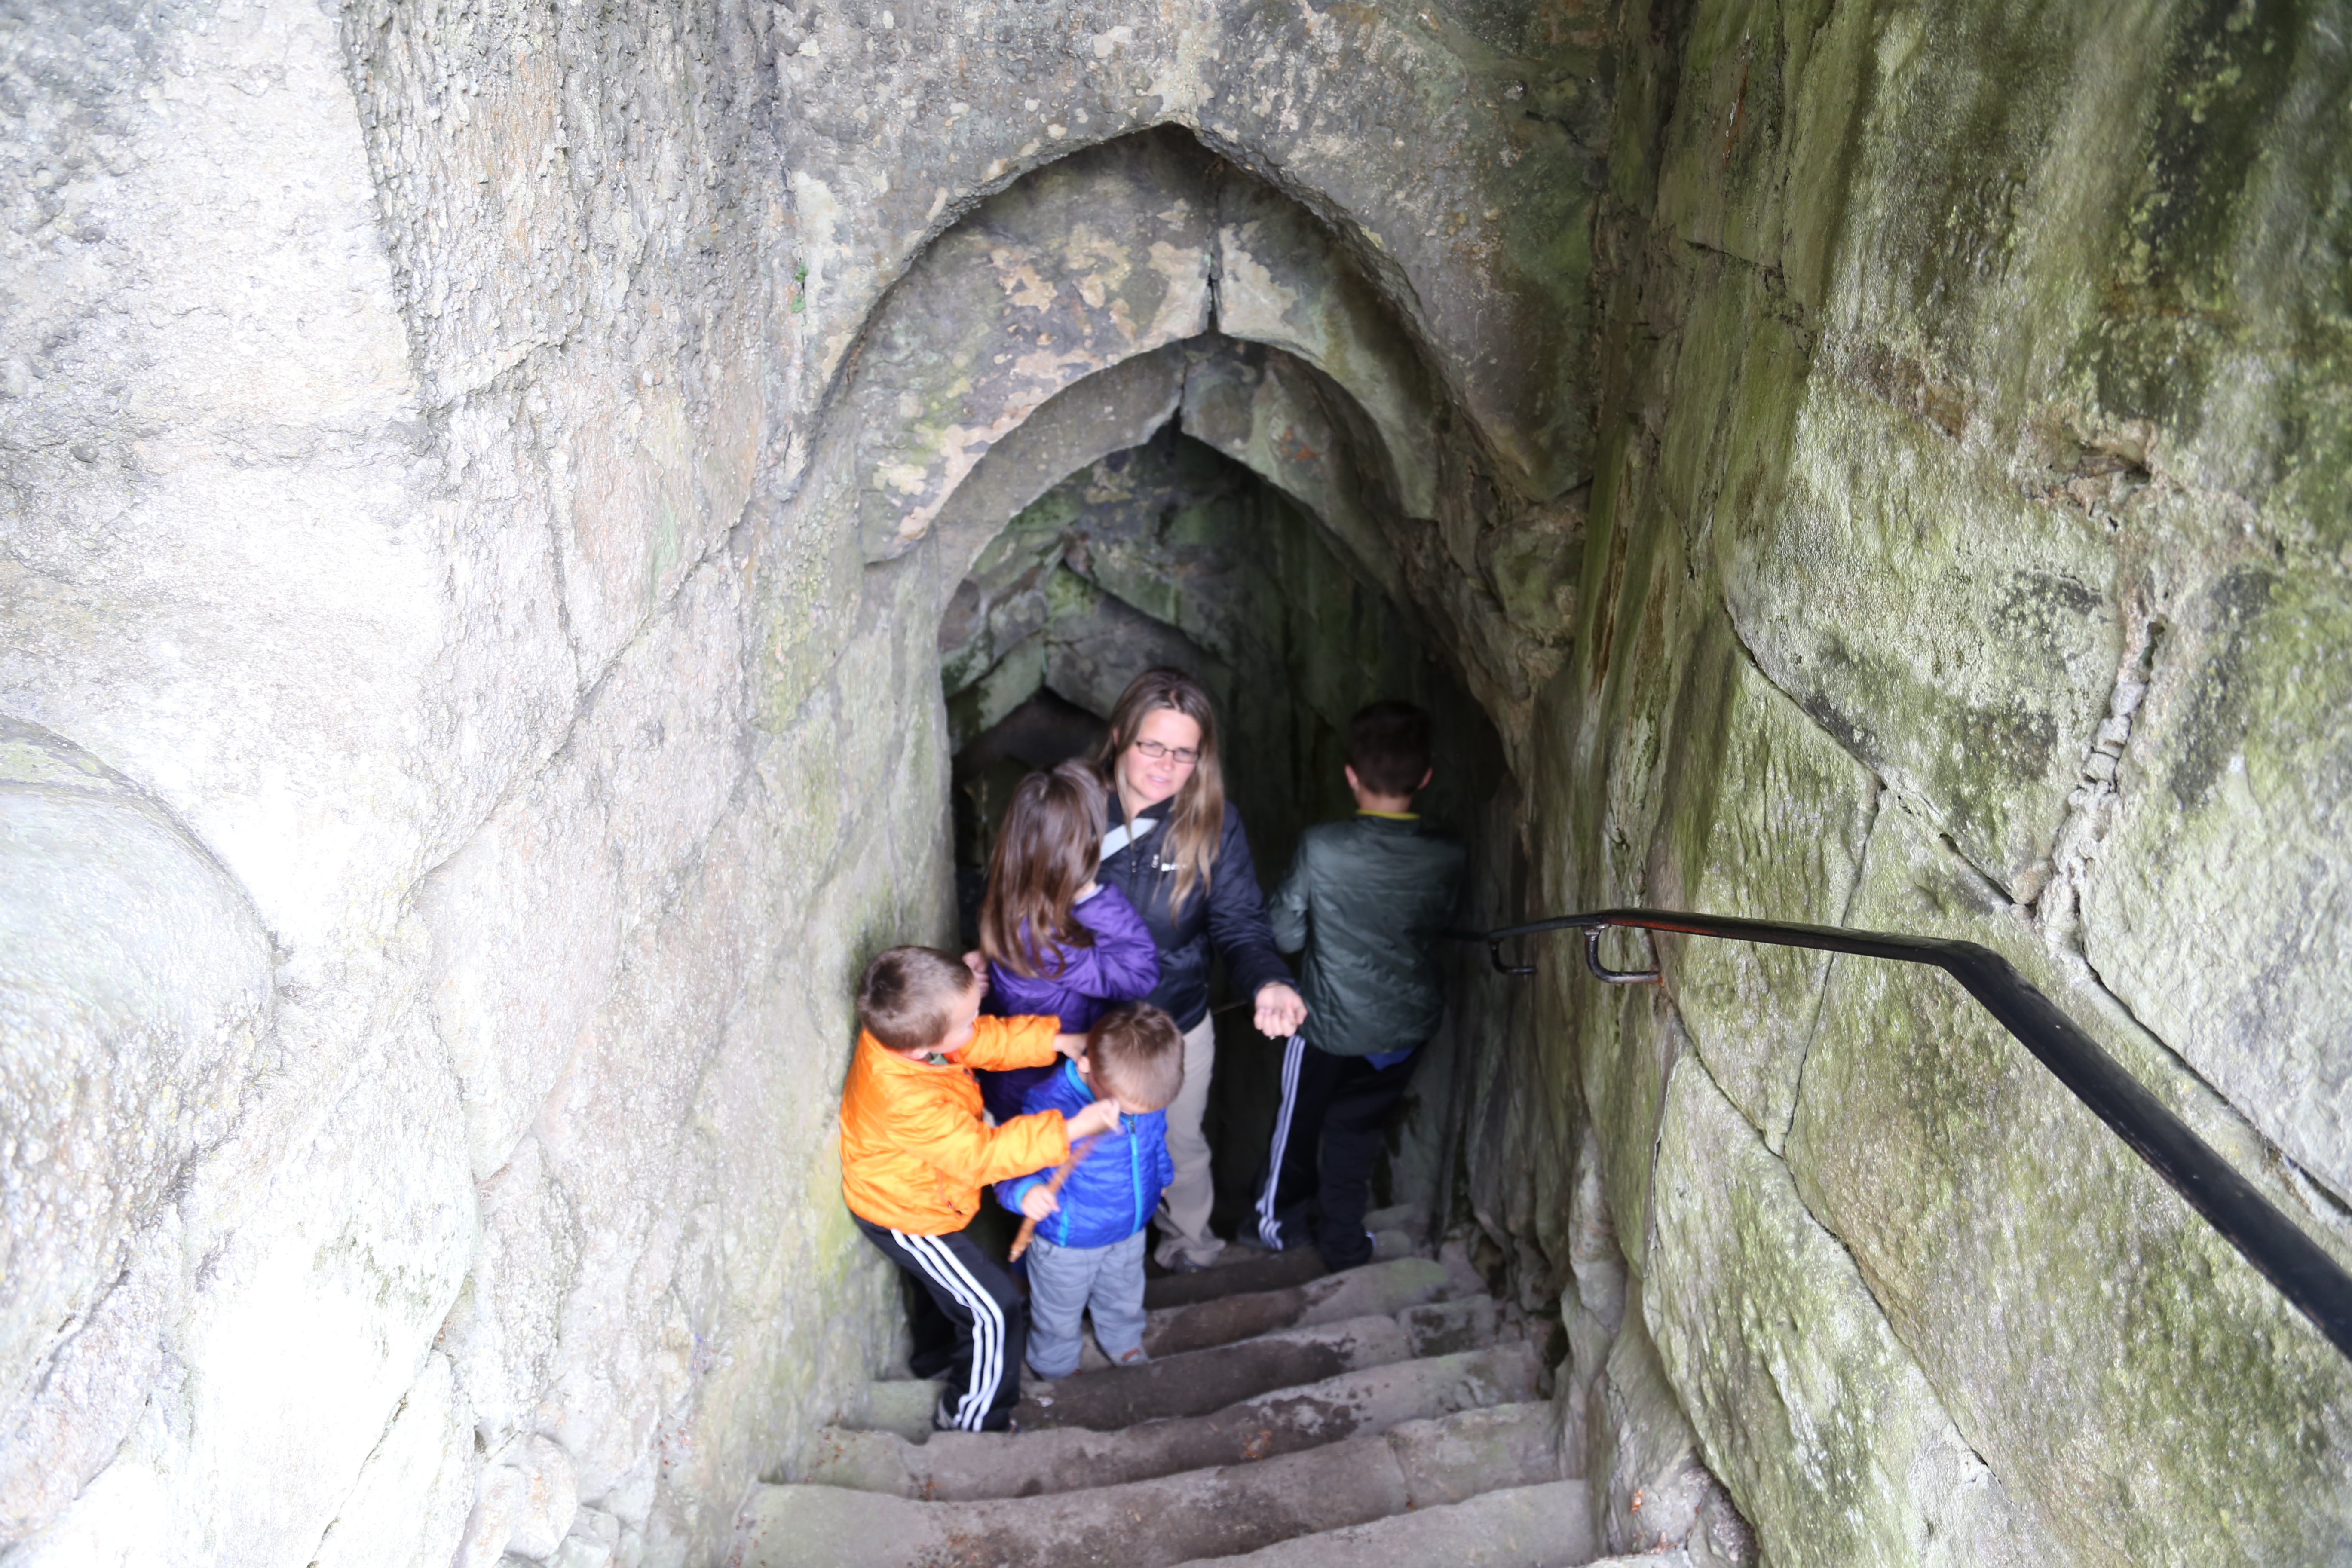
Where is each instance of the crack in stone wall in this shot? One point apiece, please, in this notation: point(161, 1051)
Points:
point(1856, 313)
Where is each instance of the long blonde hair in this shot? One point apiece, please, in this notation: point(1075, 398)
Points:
point(1196, 813)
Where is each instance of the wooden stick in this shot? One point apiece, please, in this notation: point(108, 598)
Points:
point(1054, 1187)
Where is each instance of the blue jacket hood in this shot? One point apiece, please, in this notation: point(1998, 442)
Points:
point(1111, 1195)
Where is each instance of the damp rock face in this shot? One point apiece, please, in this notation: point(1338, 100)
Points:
point(510, 514)
point(1937, 579)
point(443, 454)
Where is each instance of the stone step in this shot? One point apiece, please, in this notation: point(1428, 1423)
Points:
point(1167, 1521)
point(1251, 1270)
point(1391, 1231)
point(1199, 1382)
point(1381, 1288)
point(1240, 1268)
point(1443, 1328)
point(1112, 1398)
point(958, 1467)
point(1548, 1525)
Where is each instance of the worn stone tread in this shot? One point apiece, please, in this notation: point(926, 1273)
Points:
point(1157, 1522)
point(1240, 1270)
point(1252, 1271)
point(1199, 1382)
point(964, 1466)
point(1376, 1288)
point(1433, 1329)
point(1546, 1525)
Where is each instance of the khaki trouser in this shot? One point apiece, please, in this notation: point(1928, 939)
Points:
point(1183, 1216)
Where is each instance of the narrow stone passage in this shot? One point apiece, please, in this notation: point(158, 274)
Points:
point(535, 537)
point(1387, 1417)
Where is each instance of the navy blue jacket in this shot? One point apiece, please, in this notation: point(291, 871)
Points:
point(1232, 916)
point(1115, 1188)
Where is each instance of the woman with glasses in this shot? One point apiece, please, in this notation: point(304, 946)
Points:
point(1175, 847)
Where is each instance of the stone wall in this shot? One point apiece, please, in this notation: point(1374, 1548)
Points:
point(1967, 557)
point(457, 658)
point(483, 485)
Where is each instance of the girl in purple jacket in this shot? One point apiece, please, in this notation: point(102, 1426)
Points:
point(1056, 939)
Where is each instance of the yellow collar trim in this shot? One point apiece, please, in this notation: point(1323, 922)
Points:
point(1390, 815)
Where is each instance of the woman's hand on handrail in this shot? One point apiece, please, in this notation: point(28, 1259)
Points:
point(1280, 1010)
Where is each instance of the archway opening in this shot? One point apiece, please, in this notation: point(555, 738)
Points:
point(1142, 407)
point(1170, 552)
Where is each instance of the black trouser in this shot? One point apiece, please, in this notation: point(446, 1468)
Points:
point(1317, 1181)
point(970, 1323)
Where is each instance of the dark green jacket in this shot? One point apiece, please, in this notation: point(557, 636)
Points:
point(1366, 898)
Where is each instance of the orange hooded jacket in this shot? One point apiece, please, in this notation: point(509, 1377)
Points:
point(914, 1149)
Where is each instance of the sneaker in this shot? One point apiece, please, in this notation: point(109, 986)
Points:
point(1136, 1357)
point(941, 1422)
point(1184, 1263)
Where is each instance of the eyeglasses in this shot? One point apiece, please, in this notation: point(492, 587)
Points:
point(1180, 755)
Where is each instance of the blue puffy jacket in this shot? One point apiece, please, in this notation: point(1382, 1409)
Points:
point(1116, 1186)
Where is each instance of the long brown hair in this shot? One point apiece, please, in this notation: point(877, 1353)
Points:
point(1046, 852)
point(1196, 813)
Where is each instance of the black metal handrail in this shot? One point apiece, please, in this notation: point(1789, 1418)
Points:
point(2277, 1248)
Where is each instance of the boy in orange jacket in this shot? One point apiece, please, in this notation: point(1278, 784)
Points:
point(915, 1153)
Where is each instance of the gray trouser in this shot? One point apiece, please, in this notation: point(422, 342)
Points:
point(1183, 1217)
point(1064, 1282)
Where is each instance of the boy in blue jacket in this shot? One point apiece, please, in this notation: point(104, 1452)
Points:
point(1088, 1249)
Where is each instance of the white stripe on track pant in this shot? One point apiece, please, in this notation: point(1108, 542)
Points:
point(970, 1324)
point(1269, 1229)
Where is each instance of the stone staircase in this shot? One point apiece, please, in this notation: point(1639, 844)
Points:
point(1389, 1416)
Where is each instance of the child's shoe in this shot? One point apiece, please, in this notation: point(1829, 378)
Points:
point(942, 1420)
point(1136, 1357)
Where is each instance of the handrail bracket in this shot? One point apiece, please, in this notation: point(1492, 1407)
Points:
point(1612, 976)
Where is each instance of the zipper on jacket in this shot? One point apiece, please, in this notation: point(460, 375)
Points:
point(1135, 1171)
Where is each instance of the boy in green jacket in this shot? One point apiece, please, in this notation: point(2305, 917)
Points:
point(1366, 898)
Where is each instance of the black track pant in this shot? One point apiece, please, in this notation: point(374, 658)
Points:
point(1317, 1181)
point(969, 1325)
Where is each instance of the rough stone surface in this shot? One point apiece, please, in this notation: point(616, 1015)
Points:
point(410, 1505)
point(483, 484)
point(1218, 1512)
point(2130, 1315)
point(1650, 1490)
point(1777, 833)
point(1540, 1526)
point(1807, 1404)
point(1198, 1381)
point(138, 1014)
point(954, 1465)
point(2224, 836)
point(1948, 520)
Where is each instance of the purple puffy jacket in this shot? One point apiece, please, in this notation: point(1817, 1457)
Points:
point(1123, 965)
